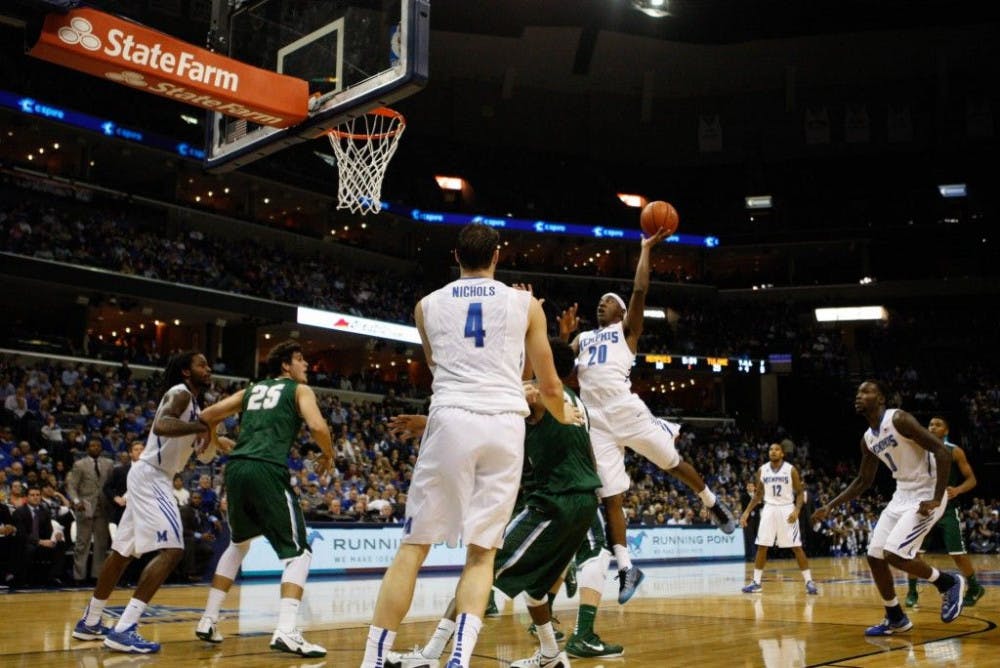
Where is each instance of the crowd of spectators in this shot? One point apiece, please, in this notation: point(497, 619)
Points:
point(141, 245)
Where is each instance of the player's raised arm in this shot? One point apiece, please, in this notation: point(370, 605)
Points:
point(633, 322)
point(539, 353)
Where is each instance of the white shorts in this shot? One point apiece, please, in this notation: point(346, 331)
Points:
point(628, 422)
point(151, 520)
point(900, 528)
point(775, 529)
point(466, 479)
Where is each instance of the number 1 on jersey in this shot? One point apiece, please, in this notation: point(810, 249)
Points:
point(474, 324)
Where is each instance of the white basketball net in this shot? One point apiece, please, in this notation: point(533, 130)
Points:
point(363, 147)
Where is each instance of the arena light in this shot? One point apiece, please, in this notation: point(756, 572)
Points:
point(655, 313)
point(657, 9)
point(951, 190)
point(851, 313)
point(758, 202)
point(450, 182)
point(634, 201)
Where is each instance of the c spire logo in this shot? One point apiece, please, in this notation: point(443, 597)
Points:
point(80, 31)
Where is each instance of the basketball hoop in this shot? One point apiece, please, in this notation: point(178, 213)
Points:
point(364, 146)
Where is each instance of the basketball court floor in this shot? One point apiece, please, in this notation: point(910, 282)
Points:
point(686, 615)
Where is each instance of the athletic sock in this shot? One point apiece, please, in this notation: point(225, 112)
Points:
point(92, 615)
point(133, 611)
point(585, 620)
point(442, 634)
point(214, 604)
point(288, 611)
point(377, 646)
point(622, 557)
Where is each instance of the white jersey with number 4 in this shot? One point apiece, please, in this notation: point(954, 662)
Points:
point(777, 484)
point(171, 453)
point(476, 328)
point(912, 466)
point(603, 364)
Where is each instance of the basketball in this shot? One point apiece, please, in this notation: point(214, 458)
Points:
point(658, 216)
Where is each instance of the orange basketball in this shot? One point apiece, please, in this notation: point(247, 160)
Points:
point(659, 215)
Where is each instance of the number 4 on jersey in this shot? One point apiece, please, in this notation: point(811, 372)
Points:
point(474, 324)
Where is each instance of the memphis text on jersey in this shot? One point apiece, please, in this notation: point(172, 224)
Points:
point(886, 443)
point(597, 337)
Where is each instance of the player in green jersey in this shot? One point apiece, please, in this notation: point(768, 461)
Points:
point(961, 479)
point(260, 496)
point(556, 524)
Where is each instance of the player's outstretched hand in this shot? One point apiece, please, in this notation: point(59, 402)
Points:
point(408, 426)
point(321, 465)
point(648, 242)
point(568, 322)
point(573, 415)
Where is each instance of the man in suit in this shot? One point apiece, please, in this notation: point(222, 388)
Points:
point(200, 531)
point(84, 486)
point(38, 543)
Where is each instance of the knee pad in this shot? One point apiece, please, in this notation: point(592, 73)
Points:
point(297, 569)
point(593, 573)
point(229, 562)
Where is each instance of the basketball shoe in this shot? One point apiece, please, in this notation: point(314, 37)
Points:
point(560, 660)
point(96, 632)
point(130, 641)
point(207, 631)
point(629, 580)
point(722, 516)
point(591, 646)
point(887, 628)
point(294, 643)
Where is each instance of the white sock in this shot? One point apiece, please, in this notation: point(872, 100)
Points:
point(377, 646)
point(807, 575)
point(442, 634)
point(935, 574)
point(214, 604)
point(707, 497)
point(758, 573)
point(287, 612)
point(466, 633)
point(547, 639)
point(133, 611)
point(92, 614)
point(890, 603)
point(621, 556)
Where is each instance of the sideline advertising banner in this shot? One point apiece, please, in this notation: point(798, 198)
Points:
point(345, 549)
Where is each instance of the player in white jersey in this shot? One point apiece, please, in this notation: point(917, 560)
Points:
point(919, 463)
point(475, 332)
point(778, 484)
point(152, 520)
point(619, 418)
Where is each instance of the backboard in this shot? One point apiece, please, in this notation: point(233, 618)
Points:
point(355, 55)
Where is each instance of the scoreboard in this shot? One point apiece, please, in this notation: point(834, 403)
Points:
point(743, 365)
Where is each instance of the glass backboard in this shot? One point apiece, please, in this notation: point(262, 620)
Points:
point(355, 55)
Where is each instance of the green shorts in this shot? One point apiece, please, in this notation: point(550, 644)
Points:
point(540, 542)
point(951, 530)
point(262, 502)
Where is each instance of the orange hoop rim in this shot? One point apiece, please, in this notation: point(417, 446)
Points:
point(378, 111)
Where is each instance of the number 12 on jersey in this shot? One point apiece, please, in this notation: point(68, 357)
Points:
point(474, 324)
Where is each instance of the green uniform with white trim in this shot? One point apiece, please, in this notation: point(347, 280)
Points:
point(259, 492)
point(950, 525)
point(560, 506)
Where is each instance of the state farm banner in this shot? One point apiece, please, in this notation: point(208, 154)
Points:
point(115, 48)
